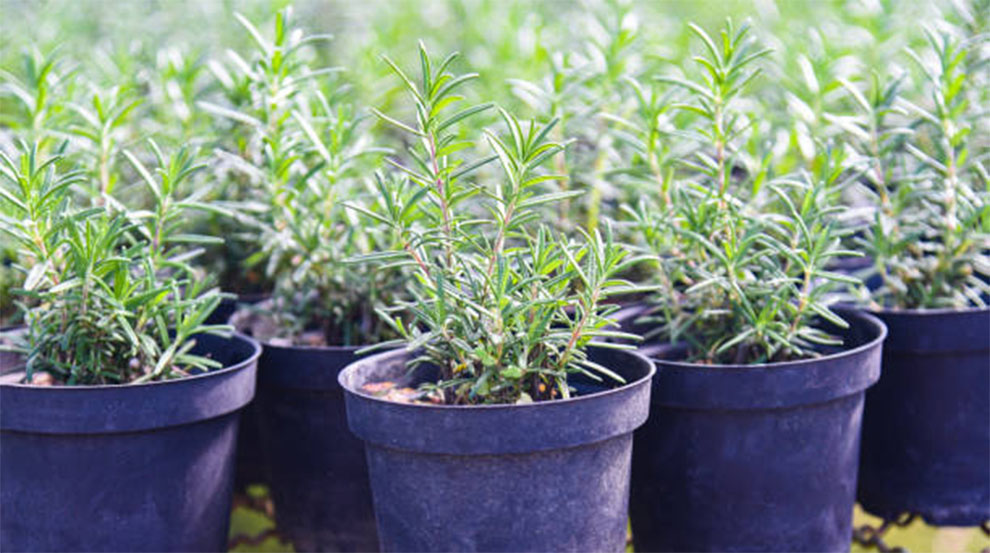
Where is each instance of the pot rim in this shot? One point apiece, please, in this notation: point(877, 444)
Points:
point(872, 319)
point(304, 368)
point(255, 354)
point(922, 312)
point(781, 385)
point(335, 349)
point(496, 406)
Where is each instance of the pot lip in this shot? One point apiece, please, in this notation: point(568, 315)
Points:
point(252, 358)
point(869, 318)
point(328, 349)
point(888, 311)
point(644, 380)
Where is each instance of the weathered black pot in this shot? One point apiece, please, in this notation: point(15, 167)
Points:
point(926, 426)
point(548, 476)
point(754, 457)
point(317, 474)
point(222, 313)
point(250, 466)
point(146, 467)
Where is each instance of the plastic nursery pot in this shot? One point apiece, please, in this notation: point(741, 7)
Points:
point(754, 457)
point(250, 466)
point(546, 476)
point(926, 425)
point(144, 467)
point(317, 473)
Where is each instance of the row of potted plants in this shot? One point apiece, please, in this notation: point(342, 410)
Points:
point(504, 418)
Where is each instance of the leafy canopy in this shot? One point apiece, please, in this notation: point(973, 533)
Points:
point(739, 254)
point(114, 298)
point(503, 306)
point(303, 149)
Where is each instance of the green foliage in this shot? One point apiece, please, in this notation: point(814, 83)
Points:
point(580, 87)
point(740, 257)
point(34, 94)
point(709, 155)
point(303, 149)
point(100, 124)
point(928, 178)
point(502, 306)
point(114, 298)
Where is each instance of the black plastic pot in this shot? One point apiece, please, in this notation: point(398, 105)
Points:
point(250, 467)
point(317, 473)
point(548, 476)
point(926, 426)
point(146, 467)
point(222, 313)
point(754, 457)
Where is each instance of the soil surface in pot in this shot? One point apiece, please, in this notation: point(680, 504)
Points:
point(639, 319)
point(408, 389)
point(259, 322)
point(12, 365)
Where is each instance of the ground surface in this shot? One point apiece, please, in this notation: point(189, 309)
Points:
point(915, 538)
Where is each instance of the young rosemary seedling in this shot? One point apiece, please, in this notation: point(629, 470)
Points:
point(304, 151)
point(114, 297)
point(501, 305)
point(930, 235)
point(740, 255)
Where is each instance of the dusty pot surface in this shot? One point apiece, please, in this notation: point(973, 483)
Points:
point(926, 425)
point(250, 466)
point(317, 472)
point(145, 467)
point(754, 457)
point(547, 476)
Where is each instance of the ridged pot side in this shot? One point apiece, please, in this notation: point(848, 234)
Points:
point(145, 467)
point(317, 472)
point(926, 425)
point(754, 457)
point(548, 476)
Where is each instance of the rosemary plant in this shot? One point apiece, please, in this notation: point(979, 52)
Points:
point(740, 255)
point(304, 150)
point(930, 234)
point(114, 297)
point(582, 85)
point(101, 125)
point(503, 309)
point(34, 96)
